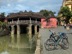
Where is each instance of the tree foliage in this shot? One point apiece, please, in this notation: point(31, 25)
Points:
point(3, 25)
point(0, 24)
point(47, 13)
point(2, 15)
point(71, 13)
point(65, 13)
point(44, 13)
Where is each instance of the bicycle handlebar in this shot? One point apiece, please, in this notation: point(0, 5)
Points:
point(51, 31)
point(58, 32)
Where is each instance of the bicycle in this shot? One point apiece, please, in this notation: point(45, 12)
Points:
point(56, 40)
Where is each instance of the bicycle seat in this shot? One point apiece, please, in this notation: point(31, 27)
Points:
point(62, 33)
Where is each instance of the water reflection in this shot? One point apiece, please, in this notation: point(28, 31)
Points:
point(17, 45)
point(12, 39)
point(5, 52)
point(18, 41)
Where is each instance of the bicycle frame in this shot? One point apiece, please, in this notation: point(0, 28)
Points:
point(60, 37)
point(57, 42)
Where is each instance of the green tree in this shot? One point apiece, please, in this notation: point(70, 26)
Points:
point(47, 13)
point(4, 25)
point(52, 13)
point(44, 13)
point(65, 13)
point(3, 14)
point(0, 24)
point(71, 13)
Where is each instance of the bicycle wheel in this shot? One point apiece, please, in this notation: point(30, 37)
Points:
point(49, 45)
point(65, 44)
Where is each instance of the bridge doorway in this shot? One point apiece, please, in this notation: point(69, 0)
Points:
point(23, 29)
point(33, 30)
point(38, 28)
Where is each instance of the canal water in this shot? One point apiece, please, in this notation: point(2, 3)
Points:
point(24, 46)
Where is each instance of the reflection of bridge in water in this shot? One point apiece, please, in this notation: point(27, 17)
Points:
point(28, 24)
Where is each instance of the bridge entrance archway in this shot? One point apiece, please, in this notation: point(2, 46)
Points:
point(23, 29)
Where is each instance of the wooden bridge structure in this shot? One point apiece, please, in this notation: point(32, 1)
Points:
point(28, 19)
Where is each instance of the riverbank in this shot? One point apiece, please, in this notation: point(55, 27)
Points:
point(38, 45)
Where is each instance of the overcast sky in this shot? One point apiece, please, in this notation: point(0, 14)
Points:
point(8, 6)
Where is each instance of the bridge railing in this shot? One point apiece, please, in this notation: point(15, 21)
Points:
point(23, 22)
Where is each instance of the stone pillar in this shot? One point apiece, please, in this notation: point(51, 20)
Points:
point(18, 33)
point(12, 34)
point(30, 32)
point(18, 30)
point(35, 29)
point(30, 35)
point(35, 34)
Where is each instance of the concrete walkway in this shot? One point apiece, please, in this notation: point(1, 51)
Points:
point(45, 35)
